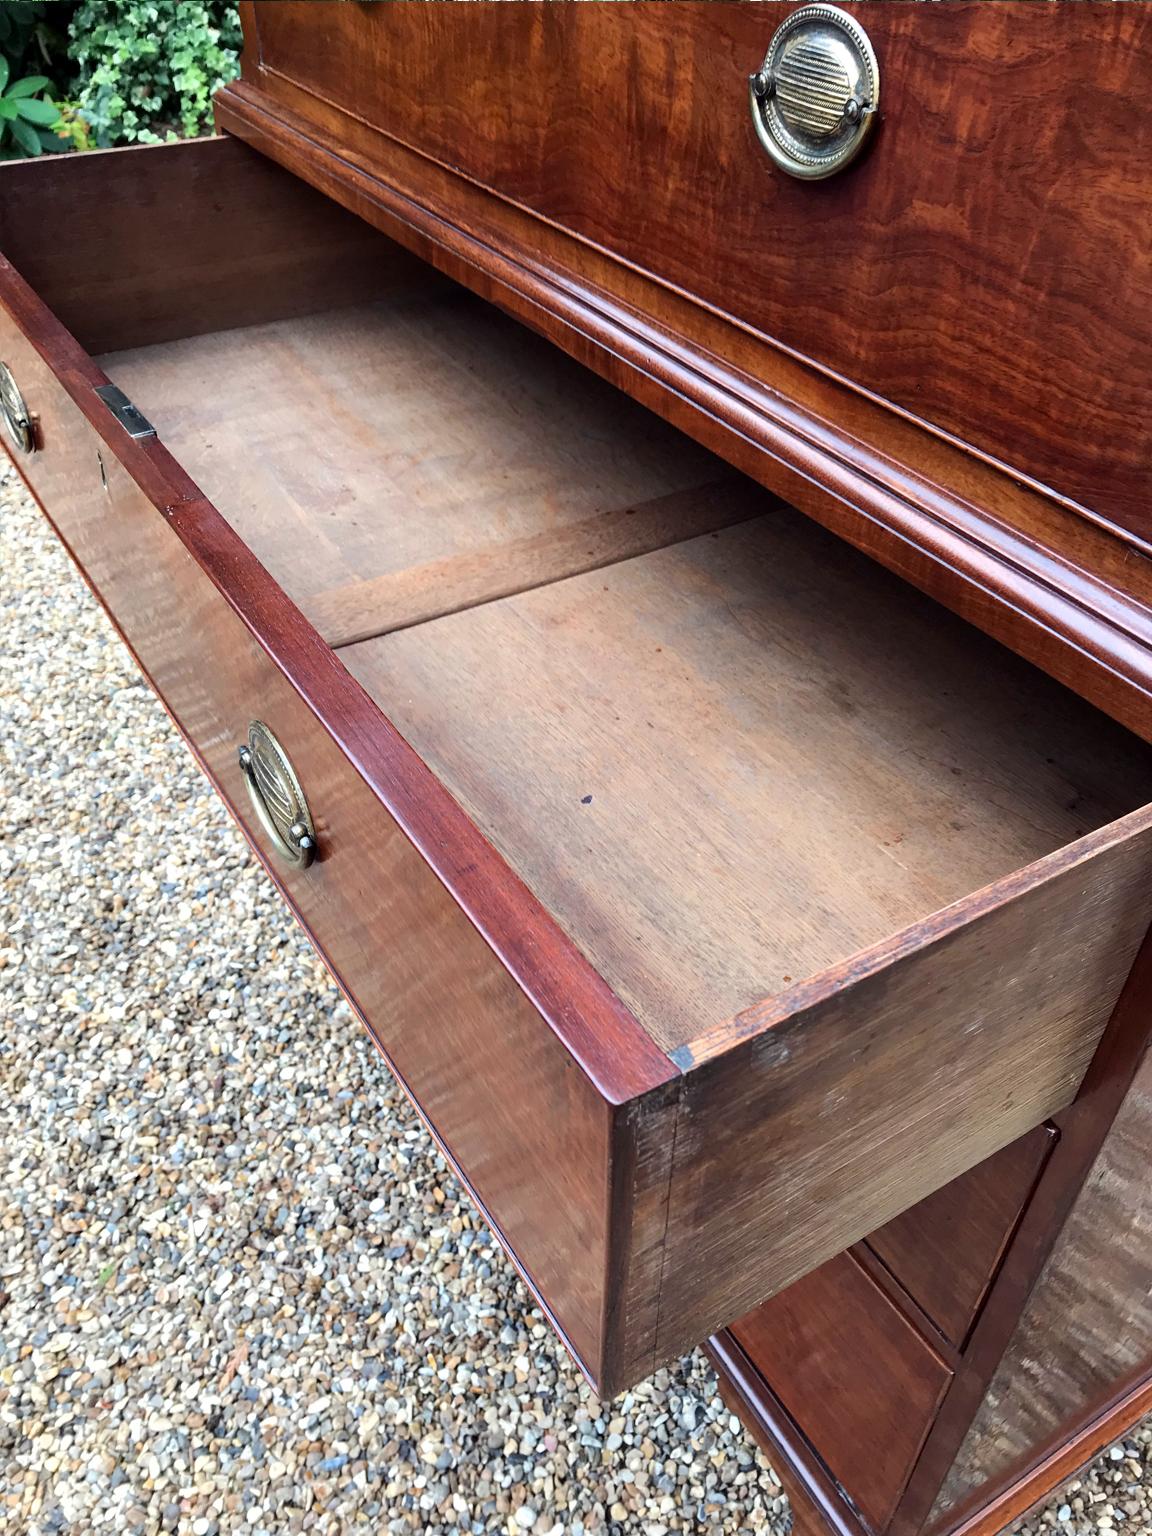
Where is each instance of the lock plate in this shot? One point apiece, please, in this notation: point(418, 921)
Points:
point(130, 416)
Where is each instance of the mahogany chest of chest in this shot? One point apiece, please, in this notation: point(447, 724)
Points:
point(641, 511)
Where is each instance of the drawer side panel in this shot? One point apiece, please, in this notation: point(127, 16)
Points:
point(527, 1122)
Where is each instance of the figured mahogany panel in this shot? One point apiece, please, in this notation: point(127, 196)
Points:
point(1065, 592)
point(985, 267)
point(853, 1374)
point(945, 1251)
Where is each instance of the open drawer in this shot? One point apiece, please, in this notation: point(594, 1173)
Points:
point(715, 895)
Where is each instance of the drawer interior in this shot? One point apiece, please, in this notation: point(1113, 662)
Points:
point(390, 462)
point(723, 748)
point(826, 841)
point(732, 763)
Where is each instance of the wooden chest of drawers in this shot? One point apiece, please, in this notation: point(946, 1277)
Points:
point(733, 911)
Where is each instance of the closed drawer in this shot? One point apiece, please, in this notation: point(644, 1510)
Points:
point(841, 1360)
point(945, 1251)
point(705, 896)
point(993, 228)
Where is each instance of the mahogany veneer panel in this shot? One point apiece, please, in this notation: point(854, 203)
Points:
point(395, 461)
point(1019, 561)
point(866, 1424)
point(732, 763)
point(995, 232)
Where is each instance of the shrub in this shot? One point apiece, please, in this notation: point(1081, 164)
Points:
point(31, 37)
point(25, 117)
point(32, 68)
point(146, 69)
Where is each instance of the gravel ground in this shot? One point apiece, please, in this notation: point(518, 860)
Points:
point(239, 1289)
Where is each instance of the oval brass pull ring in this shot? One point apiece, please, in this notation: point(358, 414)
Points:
point(276, 796)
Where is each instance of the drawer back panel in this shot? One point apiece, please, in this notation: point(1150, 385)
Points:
point(984, 267)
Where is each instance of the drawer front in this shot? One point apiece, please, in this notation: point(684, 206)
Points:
point(496, 1083)
point(946, 1250)
point(993, 229)
point(853, 1375)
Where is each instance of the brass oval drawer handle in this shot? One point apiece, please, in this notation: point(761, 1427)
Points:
point(18, 419)
point(276, 796)
point(815, 96)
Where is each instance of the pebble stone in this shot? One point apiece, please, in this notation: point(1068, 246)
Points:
point(240, 1291)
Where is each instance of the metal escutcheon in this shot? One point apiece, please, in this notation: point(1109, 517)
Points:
point(18, 422)
point(276, 796)
point(814, 98)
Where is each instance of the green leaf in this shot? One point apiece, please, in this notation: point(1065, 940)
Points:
point(8, 108)
point(26, 136)
point(4, 71)
point(35, 111)
point(31, 85)
point(144, 68)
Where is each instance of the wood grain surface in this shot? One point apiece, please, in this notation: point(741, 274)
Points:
point(482, 1018)
point(1060, 1466)
point(995, 232)
point(676, 1193)
point(1085, 1336)
point(1084, 1127)
point(859, 1094)
point(188, 237)
point(733, 763)
point(1007, 554)
point(850, 1369)
point(391, 462)
point(945, 1251)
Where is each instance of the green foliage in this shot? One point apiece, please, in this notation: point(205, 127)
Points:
point(26, 118)
point(32, 65)
point(27, 40)
point(146, 69)
point(74, 128)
